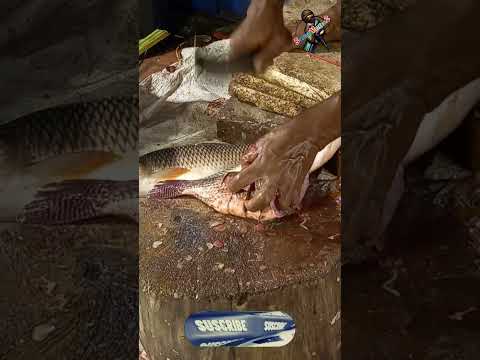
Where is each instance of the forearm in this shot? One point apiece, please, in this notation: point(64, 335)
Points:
point(320, 124)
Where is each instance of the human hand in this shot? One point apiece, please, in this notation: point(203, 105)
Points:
point(262, 34)
point(279, 163)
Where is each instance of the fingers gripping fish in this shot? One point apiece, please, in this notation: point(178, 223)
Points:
point(212, 190)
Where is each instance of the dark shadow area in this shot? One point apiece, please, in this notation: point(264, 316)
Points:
point(419, 297)
point(68, 172)
point(410, 282)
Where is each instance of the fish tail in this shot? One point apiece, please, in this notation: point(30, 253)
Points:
point(75, 200)
point(58, 211)
point(170, 189)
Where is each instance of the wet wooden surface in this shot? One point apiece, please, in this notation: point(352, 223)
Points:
point(420, 300)
point(79, 281)
point(193, 259)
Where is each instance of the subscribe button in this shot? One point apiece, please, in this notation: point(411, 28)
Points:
point(254, 328)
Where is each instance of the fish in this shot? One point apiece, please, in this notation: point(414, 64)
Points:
point(92, 141)
point(78, 200)
point(213, 191)
point(188, 162)
point(109, 125)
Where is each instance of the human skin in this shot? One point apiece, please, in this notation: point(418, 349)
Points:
point(392, 76)
point(264, 36)
point(283, 157)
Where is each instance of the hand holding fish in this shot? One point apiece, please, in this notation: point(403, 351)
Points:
point(283, 158)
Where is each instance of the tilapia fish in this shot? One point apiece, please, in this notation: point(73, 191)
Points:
point(190, 162)
point(212, 189)
point(85, 141)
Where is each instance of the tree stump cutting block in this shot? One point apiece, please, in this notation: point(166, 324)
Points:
point(194, 259)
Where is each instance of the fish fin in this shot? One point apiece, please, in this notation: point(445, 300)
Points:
point(148, 183)
point(168, 189)
point(73, 200)
point(58, 211)
point(9, 225)
point(119, 170)
point(170, 174)
point(72, 165)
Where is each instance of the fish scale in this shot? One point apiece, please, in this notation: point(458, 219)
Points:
point(77, 141)
point(77, 200)
point(213, 192)
point(218, 156)
point(109, 125)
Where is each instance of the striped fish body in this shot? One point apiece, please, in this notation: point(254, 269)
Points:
point(190, 162)
point(213, 192)
point(72, 142)
point(109, 126)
